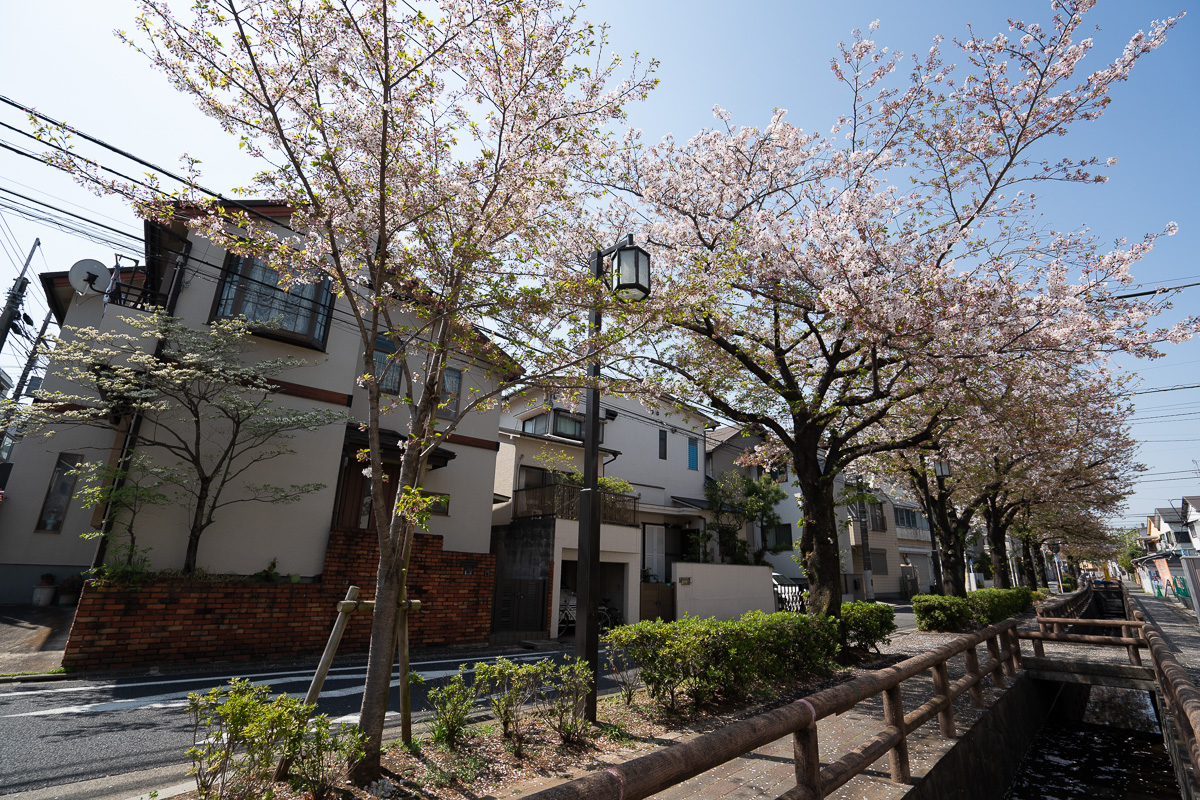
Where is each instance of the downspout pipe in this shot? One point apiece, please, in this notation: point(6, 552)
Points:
point(135, 425)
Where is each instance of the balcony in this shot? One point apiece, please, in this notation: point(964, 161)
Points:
point(562, 501)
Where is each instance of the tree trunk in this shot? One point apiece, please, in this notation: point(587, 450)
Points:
point(819, 545)
point(954, 564)
point(1040, 559)
point(380, 658)
point(998, 540)
point(1030, 568)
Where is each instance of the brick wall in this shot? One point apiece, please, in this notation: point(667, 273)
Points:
point(203, 621)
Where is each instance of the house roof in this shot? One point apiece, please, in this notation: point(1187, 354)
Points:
point(720, 436)
point(1168, 514)
point(690, 502)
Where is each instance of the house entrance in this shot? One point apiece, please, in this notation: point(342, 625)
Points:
point(612, 596)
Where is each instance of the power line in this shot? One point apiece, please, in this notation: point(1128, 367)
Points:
point(142, 161)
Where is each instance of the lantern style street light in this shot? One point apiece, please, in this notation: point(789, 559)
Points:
point(631, 283)
point(941, 470)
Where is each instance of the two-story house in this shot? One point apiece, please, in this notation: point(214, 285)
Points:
point(655, 535)
point(198, 281)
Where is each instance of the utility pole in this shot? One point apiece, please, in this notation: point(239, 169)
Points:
point(12, 307)
point(31, 362)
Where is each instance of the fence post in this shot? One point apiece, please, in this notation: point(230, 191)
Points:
point(941, 687)
point(998, 673)
point(1015, 645)
point(808, 760)
point(973, 669)
point(893, 714)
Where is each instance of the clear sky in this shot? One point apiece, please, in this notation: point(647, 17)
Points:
point(750, 58)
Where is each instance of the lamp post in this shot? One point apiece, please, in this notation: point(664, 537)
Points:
point(631, 283)
point(941, 470)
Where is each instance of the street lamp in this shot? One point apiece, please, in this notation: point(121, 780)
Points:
point(941, 470)
point(631, 283)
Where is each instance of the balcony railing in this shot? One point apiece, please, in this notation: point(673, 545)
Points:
point(562, 501)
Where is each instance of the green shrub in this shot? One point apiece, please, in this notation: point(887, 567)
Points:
point(452, 706)
point(625, 671)
point(981, 607)
point(1069, 584)
point(563, 697)
point(511, 686)
point(938, 613)
point(237, 736)
point(321, 753)
point(867, 625)
point(709, 659)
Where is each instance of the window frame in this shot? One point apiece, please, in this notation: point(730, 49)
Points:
point(879, 557)
point(693, 453)
point(59, 478)
point(662, 445)
point(771, 541)
point(236, 274)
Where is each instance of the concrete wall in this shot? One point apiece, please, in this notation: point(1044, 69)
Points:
point(723, 591)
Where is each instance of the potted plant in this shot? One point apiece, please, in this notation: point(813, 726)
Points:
point(44, 594)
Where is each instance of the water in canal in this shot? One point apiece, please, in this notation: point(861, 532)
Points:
point(1115, 751)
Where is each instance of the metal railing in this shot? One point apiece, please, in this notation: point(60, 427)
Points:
point(789, 598)
point(652, 773)
point(562, 501)
point(1179, 692)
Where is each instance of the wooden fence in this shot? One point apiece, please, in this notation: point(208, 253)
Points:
point(652, 773)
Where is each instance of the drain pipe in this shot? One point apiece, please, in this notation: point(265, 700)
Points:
point(135, 426)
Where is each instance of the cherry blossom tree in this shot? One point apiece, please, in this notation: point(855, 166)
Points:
point(819, 285)
point(429, 155)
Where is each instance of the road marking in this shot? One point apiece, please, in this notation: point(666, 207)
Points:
point(179, 699)
point(354, 672)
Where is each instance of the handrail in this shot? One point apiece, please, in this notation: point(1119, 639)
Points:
point(654, 772)
point(1180, 694)
point(1054, 614)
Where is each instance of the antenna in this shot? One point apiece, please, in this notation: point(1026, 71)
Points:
point(85, 273)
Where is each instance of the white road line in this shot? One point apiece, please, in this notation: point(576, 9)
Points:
point(353, 672)
point(179, 699)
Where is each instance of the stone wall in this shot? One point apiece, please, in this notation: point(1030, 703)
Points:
point(205, 621)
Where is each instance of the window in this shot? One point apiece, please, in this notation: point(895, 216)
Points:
point(905, 518)
point(451, 388)
point(536, 424)
point(531, 477)
point(778, 538)
point(570, 427)
point(879, 565)
point(779, 474)
point(389, 381)
point(875, 514)
point(662, 445)
point(300, 314)
point(58, 495)
point(693, 453)
point(439, 504)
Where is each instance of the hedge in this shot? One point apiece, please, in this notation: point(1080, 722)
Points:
point(978, 608)
point(867, 625)
point(707, 659)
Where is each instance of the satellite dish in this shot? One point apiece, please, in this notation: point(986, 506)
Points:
point(85, 273)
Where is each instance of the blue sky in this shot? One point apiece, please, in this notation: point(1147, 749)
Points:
point(750, 58)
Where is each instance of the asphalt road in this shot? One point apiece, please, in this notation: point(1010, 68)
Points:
point(68, 732)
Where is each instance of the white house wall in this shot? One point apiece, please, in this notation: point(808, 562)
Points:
point(722, 591)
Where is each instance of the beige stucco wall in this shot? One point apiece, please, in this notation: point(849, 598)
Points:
point(723, 591)
point(619, 544)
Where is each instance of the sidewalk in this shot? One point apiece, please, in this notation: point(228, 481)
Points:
point(32, 638)
point(1178, 624)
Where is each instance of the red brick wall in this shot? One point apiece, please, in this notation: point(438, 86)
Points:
point(201, 621)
